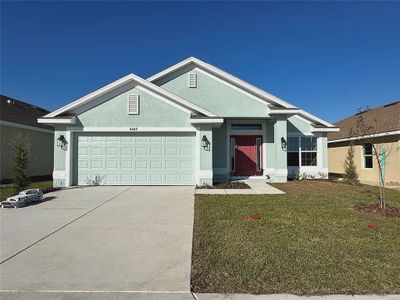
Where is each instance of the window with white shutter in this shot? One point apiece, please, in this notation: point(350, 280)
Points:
point(133, 104)
point(192, 80)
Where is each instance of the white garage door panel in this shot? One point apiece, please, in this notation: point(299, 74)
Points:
point(135, 158)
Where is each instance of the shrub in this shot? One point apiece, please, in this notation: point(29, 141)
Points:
point(350, 169)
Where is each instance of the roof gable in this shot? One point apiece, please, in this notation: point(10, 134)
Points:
point(214, 95)
point(222, 75)
point(121, 82)
point(273, 101)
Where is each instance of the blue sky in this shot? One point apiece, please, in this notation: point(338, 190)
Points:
point(329, 58)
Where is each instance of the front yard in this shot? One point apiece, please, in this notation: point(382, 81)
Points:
point(310, 241)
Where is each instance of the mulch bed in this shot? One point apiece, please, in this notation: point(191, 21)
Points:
point(392, 212)
point(231, 185)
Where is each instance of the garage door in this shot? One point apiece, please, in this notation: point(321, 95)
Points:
point(135, 158)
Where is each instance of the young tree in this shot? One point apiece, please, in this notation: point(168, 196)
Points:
point(366, 129)
point(20, 148)
point(350, 169)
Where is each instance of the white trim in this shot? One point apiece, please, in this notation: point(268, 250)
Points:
point(284, 111)
point(51, 120)
point(228, 77)
point(57, 174)
point(327, 129)
point(68, 158)
point(207, 121)
point(130, 77)
point(132, 129)
point(22, 126)
point(232, 86)
point(205, 173)
point(387, 133)
point(197, 155)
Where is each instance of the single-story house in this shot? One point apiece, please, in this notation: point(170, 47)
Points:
point(191, 123)
point(384, 128)
point(18, 119)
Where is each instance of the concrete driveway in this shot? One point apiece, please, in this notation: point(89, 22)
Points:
point(99, 240)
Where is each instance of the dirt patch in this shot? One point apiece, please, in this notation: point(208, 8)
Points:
point(231, 185)
point(391, 212)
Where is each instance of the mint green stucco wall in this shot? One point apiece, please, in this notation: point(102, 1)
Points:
point(220, 99)
point(297, 125)
point(219, 153)
point(39, 144)
point(111, 111)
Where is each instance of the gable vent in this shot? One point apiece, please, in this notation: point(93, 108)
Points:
point(133, 104)
point(192, 80)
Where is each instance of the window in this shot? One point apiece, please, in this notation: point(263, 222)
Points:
point(293, 151)
point(192, 80)
point(368, 160)
point(232, 147)
point(258, 154)
point(133, 104)
point(246, 127)
point(302, 151)
point(308, 151)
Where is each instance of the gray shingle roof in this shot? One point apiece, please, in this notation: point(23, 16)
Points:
point(16, 111)
point(383, 118)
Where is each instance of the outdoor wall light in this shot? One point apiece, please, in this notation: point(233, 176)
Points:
point(283, 143)
point(205, 143)
point(62, 142)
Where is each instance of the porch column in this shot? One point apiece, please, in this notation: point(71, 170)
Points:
point(280, 131)
point(205, 144)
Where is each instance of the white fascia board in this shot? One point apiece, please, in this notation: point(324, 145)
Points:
point(382, 134)
point(27, 127)
point(207, 121)
point(228, 77)
point(326, 129)
point(58, 120)
point(284, 111)
point(144, 83)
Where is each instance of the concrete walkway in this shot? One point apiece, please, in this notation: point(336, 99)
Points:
point(257, 187)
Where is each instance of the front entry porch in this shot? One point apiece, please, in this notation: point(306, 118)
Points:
point(246, 158)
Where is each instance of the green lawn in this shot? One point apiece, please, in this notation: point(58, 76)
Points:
point(309, 241)
point(7, 190)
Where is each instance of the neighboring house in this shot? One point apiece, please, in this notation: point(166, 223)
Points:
point(385, 124)
point(189, 124)
point(19, 119)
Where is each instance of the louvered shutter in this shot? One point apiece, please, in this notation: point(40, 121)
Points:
point(192, 80)
point(133, 104)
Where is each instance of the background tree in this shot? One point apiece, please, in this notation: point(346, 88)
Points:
point(366, 129)
point(350, 169)
point(20, 147)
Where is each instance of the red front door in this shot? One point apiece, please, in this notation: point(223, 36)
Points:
point(248, 155)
